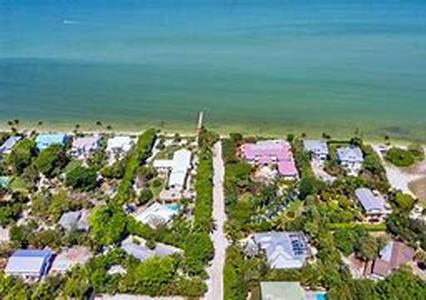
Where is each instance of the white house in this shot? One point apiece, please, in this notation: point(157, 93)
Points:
point(317, 148)
point(178, 168)
point(118, 147)
point(30, 265)
point(350, 157)
point(82, 147)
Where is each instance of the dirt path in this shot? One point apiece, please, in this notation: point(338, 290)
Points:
point(215, 271)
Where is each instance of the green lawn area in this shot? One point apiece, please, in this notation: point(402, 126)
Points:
point(368, 227)
point(17, 184)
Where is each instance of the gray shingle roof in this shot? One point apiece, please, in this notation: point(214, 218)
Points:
point(350, 154)
point(371, 202)
point(142, 252)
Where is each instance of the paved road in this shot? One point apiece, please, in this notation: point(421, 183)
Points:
point(215, 271)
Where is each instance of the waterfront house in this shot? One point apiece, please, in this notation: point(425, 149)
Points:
point(157, 214)
point(118, 146)
point(43, 141)
point(350, 157)
point(75, 220)
point(392, 257)
point(82, 147)
point(137, 247)
point(284, 250)
point(8, 145)
point(177, 168)
point(317, 148)
point(374, 205)
point(272, 152)
point(69, 258)
point(30, 265)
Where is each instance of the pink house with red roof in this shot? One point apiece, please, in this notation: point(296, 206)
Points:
point(272, 152)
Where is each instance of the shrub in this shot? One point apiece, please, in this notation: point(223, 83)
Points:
point(400, 157)
point(138, 155)
point(81, 178)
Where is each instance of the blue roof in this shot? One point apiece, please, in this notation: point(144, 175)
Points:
point(45, 140)
point(9, 143)
point(32, 253)
point(29, 262)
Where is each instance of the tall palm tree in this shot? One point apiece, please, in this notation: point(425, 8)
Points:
point(109, 127)
point(39, 123)
point(98, 123)
point(16, 121)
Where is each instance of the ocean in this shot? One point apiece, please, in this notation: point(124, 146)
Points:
point(259, 66)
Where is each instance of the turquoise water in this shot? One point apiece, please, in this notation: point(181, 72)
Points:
point(252, 65)
point(176, 207)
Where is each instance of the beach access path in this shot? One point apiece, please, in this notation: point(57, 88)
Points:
point(215, 270)
point(398, 179)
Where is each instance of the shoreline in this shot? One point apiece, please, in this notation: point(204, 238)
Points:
point(185, 130)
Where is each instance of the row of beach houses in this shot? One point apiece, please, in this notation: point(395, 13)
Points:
point(81, 146)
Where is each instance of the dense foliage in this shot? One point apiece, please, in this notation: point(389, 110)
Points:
point(51, 161)
point(21, 156)
point(138, 155)
point(405, 157)
point(81, 178)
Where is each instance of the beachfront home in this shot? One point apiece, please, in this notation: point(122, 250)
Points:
point(29, 264)
point(351, 158)
point(157, 214)
point(374, 205)
point(43, 141)
point(317, 148)
point(284, 250)
point(272, 152)
point(137, 247)
point(82, 147)
point(118, 146)
point(75, 220)
point(69, 258)
point(8, 145)
point(288, 290)
point(177, 168)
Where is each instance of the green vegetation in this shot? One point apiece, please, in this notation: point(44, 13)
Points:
point(51, 161)
point(138, 155)
point(81, 178)
point(21, 156)
point(326, 213)
point(405, 157)
point(108, 225)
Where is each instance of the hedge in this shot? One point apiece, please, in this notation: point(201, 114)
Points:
point(138, 155)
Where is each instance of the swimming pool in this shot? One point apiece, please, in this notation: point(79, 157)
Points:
point(320, 296)
point(176, 207)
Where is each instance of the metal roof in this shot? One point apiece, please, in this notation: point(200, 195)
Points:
point(28, 261)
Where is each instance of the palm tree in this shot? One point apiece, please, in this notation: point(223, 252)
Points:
point(10, 123)
point(98, 123)
point(109, 127)
point(387, 138)
point(303, 135)
point(39, 123)
point(16, 121)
